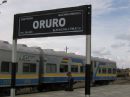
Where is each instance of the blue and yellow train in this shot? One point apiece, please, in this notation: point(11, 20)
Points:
point(45, 68)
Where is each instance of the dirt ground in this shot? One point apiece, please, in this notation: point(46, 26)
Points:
point(122, 81)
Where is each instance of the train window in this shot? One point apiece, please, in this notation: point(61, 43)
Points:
point(99, 70)
point(82, 68)
point(5, 66)
point(109, 70)
point(74, 68)
point(32, 67)
point(63, 68)
point(26, 67)
point(51, 68)
point(29, 67)
point(104, 70)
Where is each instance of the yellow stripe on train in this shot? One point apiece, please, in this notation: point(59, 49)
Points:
point(62, 75)
point(5, 76)
point(19, 76)
point(28, 76)
point(109, 75)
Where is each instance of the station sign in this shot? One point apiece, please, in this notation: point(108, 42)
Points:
point(57, 22)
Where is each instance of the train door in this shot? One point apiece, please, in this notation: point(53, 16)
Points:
point(41, 70)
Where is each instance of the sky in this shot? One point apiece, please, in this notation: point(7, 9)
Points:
point(110, 27)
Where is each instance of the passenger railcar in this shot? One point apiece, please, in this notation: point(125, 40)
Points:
point(45, 68)
point(27, 70)
point(103, 70)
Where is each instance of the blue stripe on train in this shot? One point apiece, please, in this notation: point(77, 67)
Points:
point(105, 78)
point(59, 79)
point(64, 79)
point(4, 82)
point(19, 82)
point(26, 82)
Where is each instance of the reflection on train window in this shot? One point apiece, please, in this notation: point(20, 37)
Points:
point(104, 70)
point(82, 68)
point(74, 68)
point(63, 68)
point(29, 67)
point(5, 66)
point(51, 68)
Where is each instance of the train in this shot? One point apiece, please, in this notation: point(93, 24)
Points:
point(46, 68)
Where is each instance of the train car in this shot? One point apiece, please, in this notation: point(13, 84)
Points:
point(57, 64)
point(27, 69)
point(46, 68)
point(103, 70)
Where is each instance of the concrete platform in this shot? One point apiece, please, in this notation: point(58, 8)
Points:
point(100, 91)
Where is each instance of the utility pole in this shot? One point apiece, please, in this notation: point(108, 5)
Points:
point(66, 49)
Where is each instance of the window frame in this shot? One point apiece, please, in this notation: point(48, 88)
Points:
point(30, 68)
point(77, 67)
point(51, 68)
point(9, 65)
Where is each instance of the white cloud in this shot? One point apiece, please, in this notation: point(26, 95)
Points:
point(124, 36)
point(102, 52)
point(101, 6)
point(118, 45)
point(122, 62)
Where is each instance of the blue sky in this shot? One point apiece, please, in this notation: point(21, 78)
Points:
point(110, 27)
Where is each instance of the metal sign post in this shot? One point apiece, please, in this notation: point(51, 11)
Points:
point(88, 54)
point(88, 65)
point(13, 70)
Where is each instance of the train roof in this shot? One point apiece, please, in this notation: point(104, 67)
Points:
point(4, 45)
point(102, 60)
point(61, 53)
